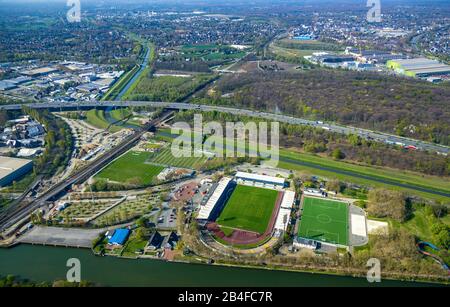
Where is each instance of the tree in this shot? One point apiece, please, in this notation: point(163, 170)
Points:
point(337, 154)
point(141, 222)
point(443, 239)
point(334, 185)
point(141, 233)
point(387, 203)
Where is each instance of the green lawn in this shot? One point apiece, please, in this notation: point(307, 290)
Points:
point(131, 166)
point(324, 220)
point(249, 208)
point(165, 88)
point(122, 113)
point(419, 223)
point(165, 157)
point(133, 245)
point(372, 175)
point(120, 84)
point(97, 119)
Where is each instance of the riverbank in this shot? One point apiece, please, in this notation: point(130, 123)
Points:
point(44, 263)
point(40, 263)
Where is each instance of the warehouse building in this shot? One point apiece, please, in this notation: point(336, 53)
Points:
point(374, 56)
point(419, 67)
point(43, 71)
point(12, 169)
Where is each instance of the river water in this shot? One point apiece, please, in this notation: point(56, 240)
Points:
point(41, 263)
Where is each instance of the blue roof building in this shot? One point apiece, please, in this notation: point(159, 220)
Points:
point(119, 237)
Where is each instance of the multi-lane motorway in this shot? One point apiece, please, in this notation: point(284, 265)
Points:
point(364, 133)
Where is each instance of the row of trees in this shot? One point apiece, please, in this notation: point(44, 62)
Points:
point(58, 143)
point(13, 281)
point(338, 146)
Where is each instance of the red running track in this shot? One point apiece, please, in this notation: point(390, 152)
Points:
point(242, 237)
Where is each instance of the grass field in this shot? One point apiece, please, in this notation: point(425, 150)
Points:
point(372, 176)
point(165, 157)
point(165, 88)
point(131, 166)
point(121, 114)
point(324, 220)
point(249, 208)
point(419, 223)
point(97, 119)
point(365, 175)
point(211, 52)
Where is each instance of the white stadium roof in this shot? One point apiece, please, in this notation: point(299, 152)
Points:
point(288, 200)
point(279, 223)
point(257, 177)
point(205, 211)
point(285, 210)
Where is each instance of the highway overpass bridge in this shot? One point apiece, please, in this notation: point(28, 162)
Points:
point(363, 133)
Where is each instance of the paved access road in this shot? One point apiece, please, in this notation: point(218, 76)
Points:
point(364, 133)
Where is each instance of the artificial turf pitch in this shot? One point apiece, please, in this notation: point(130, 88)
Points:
point(249, 208)
point(324, 220)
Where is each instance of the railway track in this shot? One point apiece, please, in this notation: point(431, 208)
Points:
point(22, 210)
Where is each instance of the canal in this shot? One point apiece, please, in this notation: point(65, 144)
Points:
point(40, 263)
point(136, 76)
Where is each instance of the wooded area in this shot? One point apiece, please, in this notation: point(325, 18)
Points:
point(374, 101)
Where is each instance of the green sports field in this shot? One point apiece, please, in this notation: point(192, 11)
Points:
point(165, 157)
point(249, 208)
point(131, 166)
point(324, 220)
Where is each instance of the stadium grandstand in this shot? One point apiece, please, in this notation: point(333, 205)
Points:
point(217, 197)
point(285, 212)
point(262, 181)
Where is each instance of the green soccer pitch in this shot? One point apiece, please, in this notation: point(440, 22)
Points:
point(249, 208)
point(131, 165)
point(324, 220)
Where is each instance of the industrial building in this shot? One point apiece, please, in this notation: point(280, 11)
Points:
point(118, 237)
point(39, 71)
point(419, 67)
point(334, 58)
point(374, 56)
point(12, 169)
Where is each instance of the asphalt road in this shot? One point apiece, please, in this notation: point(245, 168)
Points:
point(363, 133)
